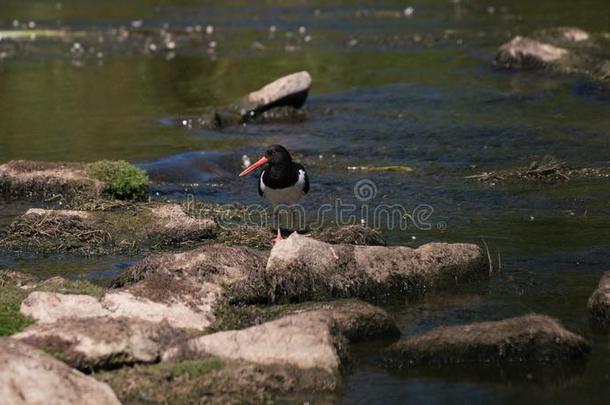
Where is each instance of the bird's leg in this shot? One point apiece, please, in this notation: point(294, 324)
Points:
point(278, 238)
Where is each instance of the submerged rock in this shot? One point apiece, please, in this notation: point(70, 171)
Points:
point(351, 235)
point(301, 268)
point(563, 50)
point(527, 53)
point(574, 34)
point(29, 376)
point(103, 342)
point(599, 305)
point(530, 339)
point(313, 340)
point(546, 170)
point(46, 180)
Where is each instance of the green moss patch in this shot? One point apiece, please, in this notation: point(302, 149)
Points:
point(11, 320)
point(72, 287)
point(194, 368)
point(123, 180)
point(184, 382)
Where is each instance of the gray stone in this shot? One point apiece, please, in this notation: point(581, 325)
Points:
point(29, 376)
point(180, 303)
point(599, 305)
point(301, 269)
point(237, 269)
point(529, 339)
point(526, 53)
point(313, 340)
point(103, 342)
point(290, 90)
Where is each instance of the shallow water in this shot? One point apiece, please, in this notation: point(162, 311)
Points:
point(417, 91)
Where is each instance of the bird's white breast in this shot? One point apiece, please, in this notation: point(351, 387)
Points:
point(288, 195)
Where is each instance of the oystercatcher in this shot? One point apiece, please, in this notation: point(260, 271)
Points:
point(282, 181)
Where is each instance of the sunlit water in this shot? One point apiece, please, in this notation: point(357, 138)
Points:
point(389, 89)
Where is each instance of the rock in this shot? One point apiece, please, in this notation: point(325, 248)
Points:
point(574, 34)
point(173, 225)
point(301, 268)
point(527, 53)
point(83, 215)
point(214, 381)
point(278, 102)
point(313, 340)
point(599, 305)
point(48, 307)
point(603, 72)
point(290, 90)
point(45, 180)
point(181, 304)
point(528, 340)
point(10, 278)
point(29, 376)
point(238, 270)
point(139, 227)
point(352, 235)
point(103, 342)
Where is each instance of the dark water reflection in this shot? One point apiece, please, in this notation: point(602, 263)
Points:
point(388, 90)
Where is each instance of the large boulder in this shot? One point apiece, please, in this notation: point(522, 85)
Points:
point(102, 342)
point(46, 180)
point(525, 53)
point(313, 340)
point(527, 340)
point(29, 376)
point(237, 269)
point(599, 305)
point(301, 268)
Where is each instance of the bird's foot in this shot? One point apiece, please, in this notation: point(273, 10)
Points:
point(278, 237)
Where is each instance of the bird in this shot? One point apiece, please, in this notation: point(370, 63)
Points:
point(282, 181)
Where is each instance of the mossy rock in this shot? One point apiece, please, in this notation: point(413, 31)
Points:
point(122, 180)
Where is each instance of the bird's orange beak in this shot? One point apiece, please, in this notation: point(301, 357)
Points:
point(260, 162)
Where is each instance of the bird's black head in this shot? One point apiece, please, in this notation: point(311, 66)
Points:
point(277, 154)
